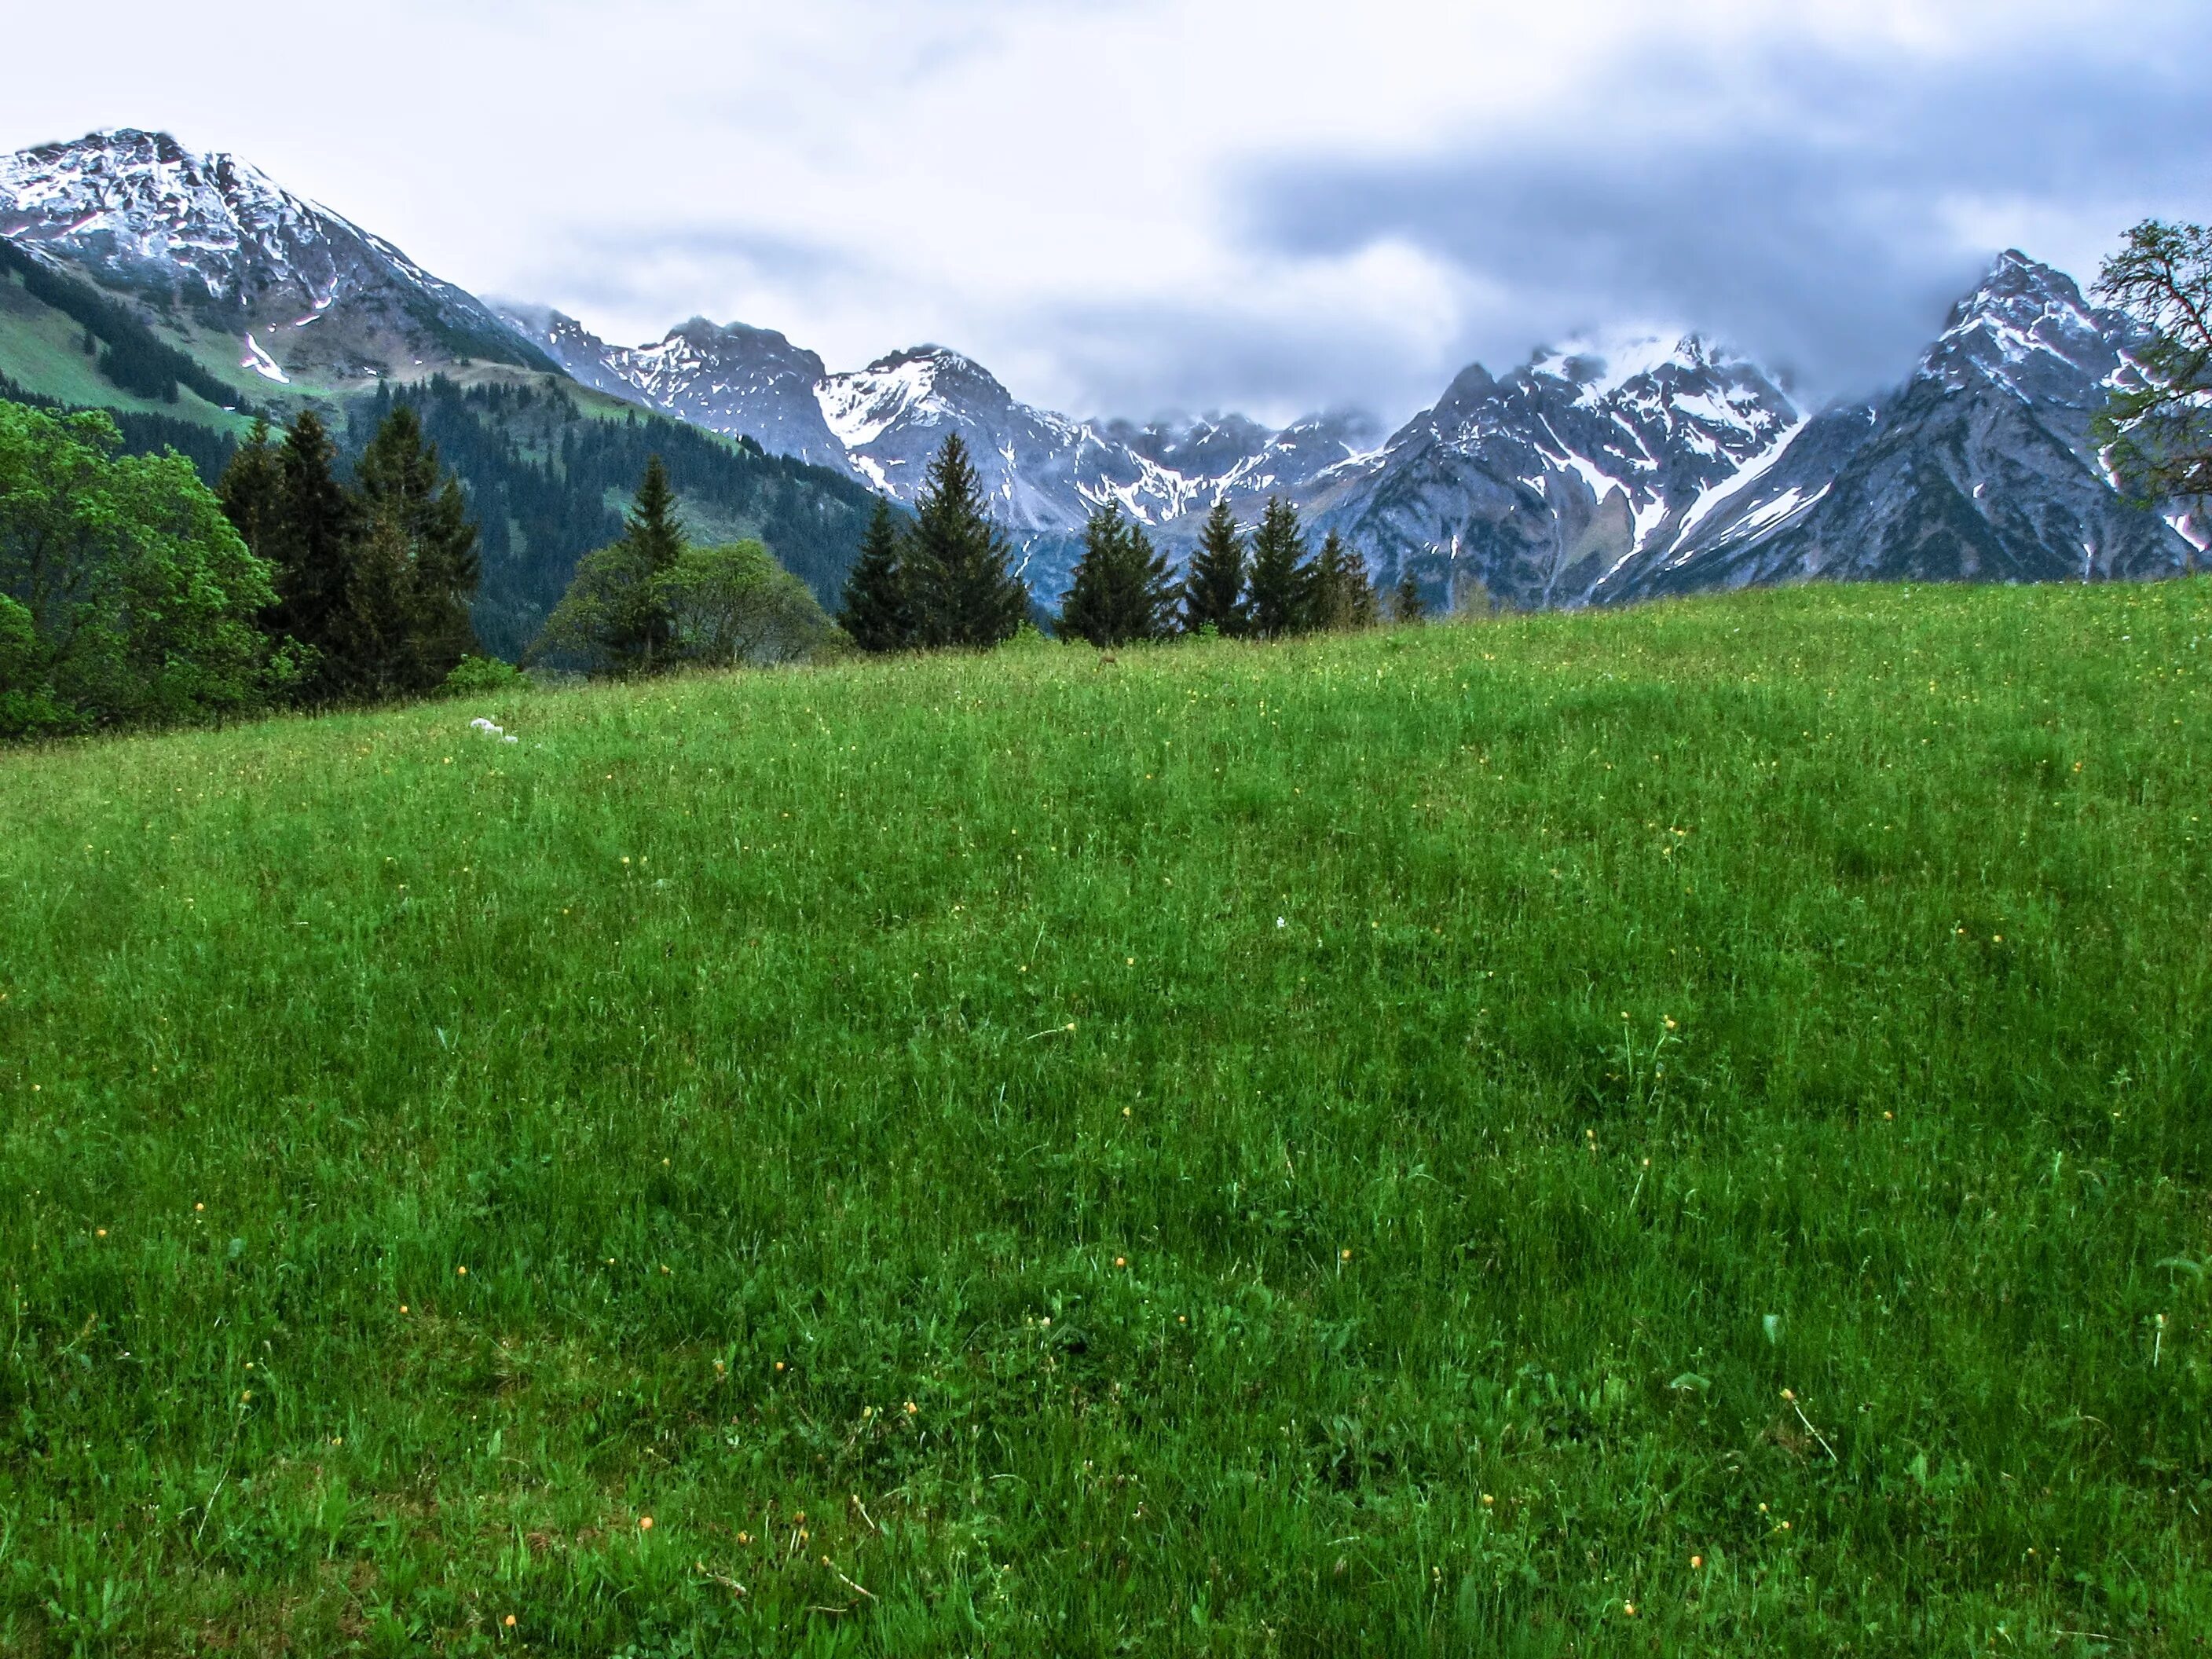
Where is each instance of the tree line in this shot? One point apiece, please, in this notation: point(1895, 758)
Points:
point(945, 580)
point(546, 479)
point(131, 593)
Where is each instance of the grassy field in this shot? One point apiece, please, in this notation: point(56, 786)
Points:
point(1682, 1131)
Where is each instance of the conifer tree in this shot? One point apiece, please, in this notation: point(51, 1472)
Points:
point(879, 611)
point(1344, 598)
point(409, 498)
point(1405, 601)
point(310, 539)
point(616, 614)
point(1282, 579)
point(963, 592)
point(1214, 590)
point(1121, 590)
point(654, 539)
point(252, 489)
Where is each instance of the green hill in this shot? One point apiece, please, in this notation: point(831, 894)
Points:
point(1682, 1131)
point(547, 464)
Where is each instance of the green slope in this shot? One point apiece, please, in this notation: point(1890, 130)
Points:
point(1337, 1148)
point(41, 351)
point(549, 465)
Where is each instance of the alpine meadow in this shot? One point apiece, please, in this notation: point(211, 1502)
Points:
point(1678, 1131)
point(1478, 930)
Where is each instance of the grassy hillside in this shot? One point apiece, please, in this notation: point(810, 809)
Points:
point(1420, 1143)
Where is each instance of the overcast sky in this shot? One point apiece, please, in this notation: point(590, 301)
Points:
point(1135, 206)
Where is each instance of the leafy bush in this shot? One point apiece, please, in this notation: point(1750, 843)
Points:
point(482, 676)
point(131, 599)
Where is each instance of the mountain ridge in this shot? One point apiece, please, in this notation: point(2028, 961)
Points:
point(1598, 471)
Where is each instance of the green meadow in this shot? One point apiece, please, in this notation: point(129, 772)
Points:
point(1680, 1132)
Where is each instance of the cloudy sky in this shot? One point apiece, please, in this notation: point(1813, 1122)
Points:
point(1136, 206)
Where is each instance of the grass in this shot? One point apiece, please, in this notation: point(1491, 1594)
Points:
point(1328, 1148)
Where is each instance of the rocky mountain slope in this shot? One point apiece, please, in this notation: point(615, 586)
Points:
point(174, 288)
point(1978, 469)
point(1534, 488)
point(216, 248)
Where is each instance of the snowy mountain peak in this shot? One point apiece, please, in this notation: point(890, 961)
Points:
point(127, 197)
point(138, 210)
point(1599, 368)
point(2027, 328)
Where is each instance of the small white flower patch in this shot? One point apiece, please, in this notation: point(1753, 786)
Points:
point(1280, 922)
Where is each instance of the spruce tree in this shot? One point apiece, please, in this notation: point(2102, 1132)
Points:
point(964, 594)
point(1343, 598)
point(1121, 590)
point(407, 495)
point(252, 490)
point(312, 543)
point(617, 614)
point(1282, 580)
point(879, 611)
point(1214, 590)
point(1406, 602)
point(654, 539)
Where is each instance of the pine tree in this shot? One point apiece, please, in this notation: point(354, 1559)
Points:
point(311, 543)
point(1282, 580)
point(1121, 590)
point(1343, 598)
point(879, 611)
point(1406, 602)
point(1214, 592)
point(252, 490)
point(654, 539)
point(964, 595)
point(617, 613)
point(407, 494)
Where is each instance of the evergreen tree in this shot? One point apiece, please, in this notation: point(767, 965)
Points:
point(654, 539)
point(411, 499)
point(311, 542)
point(251, 491)
point(1344, 598)
point(964, 595)
point(1282, 579)
point(616, 614)
point(1122, 591)
point(879, 611)
point(1214, 592)
point(1405, 601)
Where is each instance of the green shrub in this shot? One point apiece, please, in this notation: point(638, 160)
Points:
point(482, 676)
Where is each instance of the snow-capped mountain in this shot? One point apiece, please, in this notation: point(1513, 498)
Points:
point(1045, 473)
point(744, 382)
point(1539, 485)
point(1980, 468)
point(305, 293)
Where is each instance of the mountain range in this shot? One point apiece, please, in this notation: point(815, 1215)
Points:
point(1599, 472)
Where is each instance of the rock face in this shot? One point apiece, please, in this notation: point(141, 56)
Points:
point(1978, 469)
point(305, 293)
point(744, 382)
point(1535, 488)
